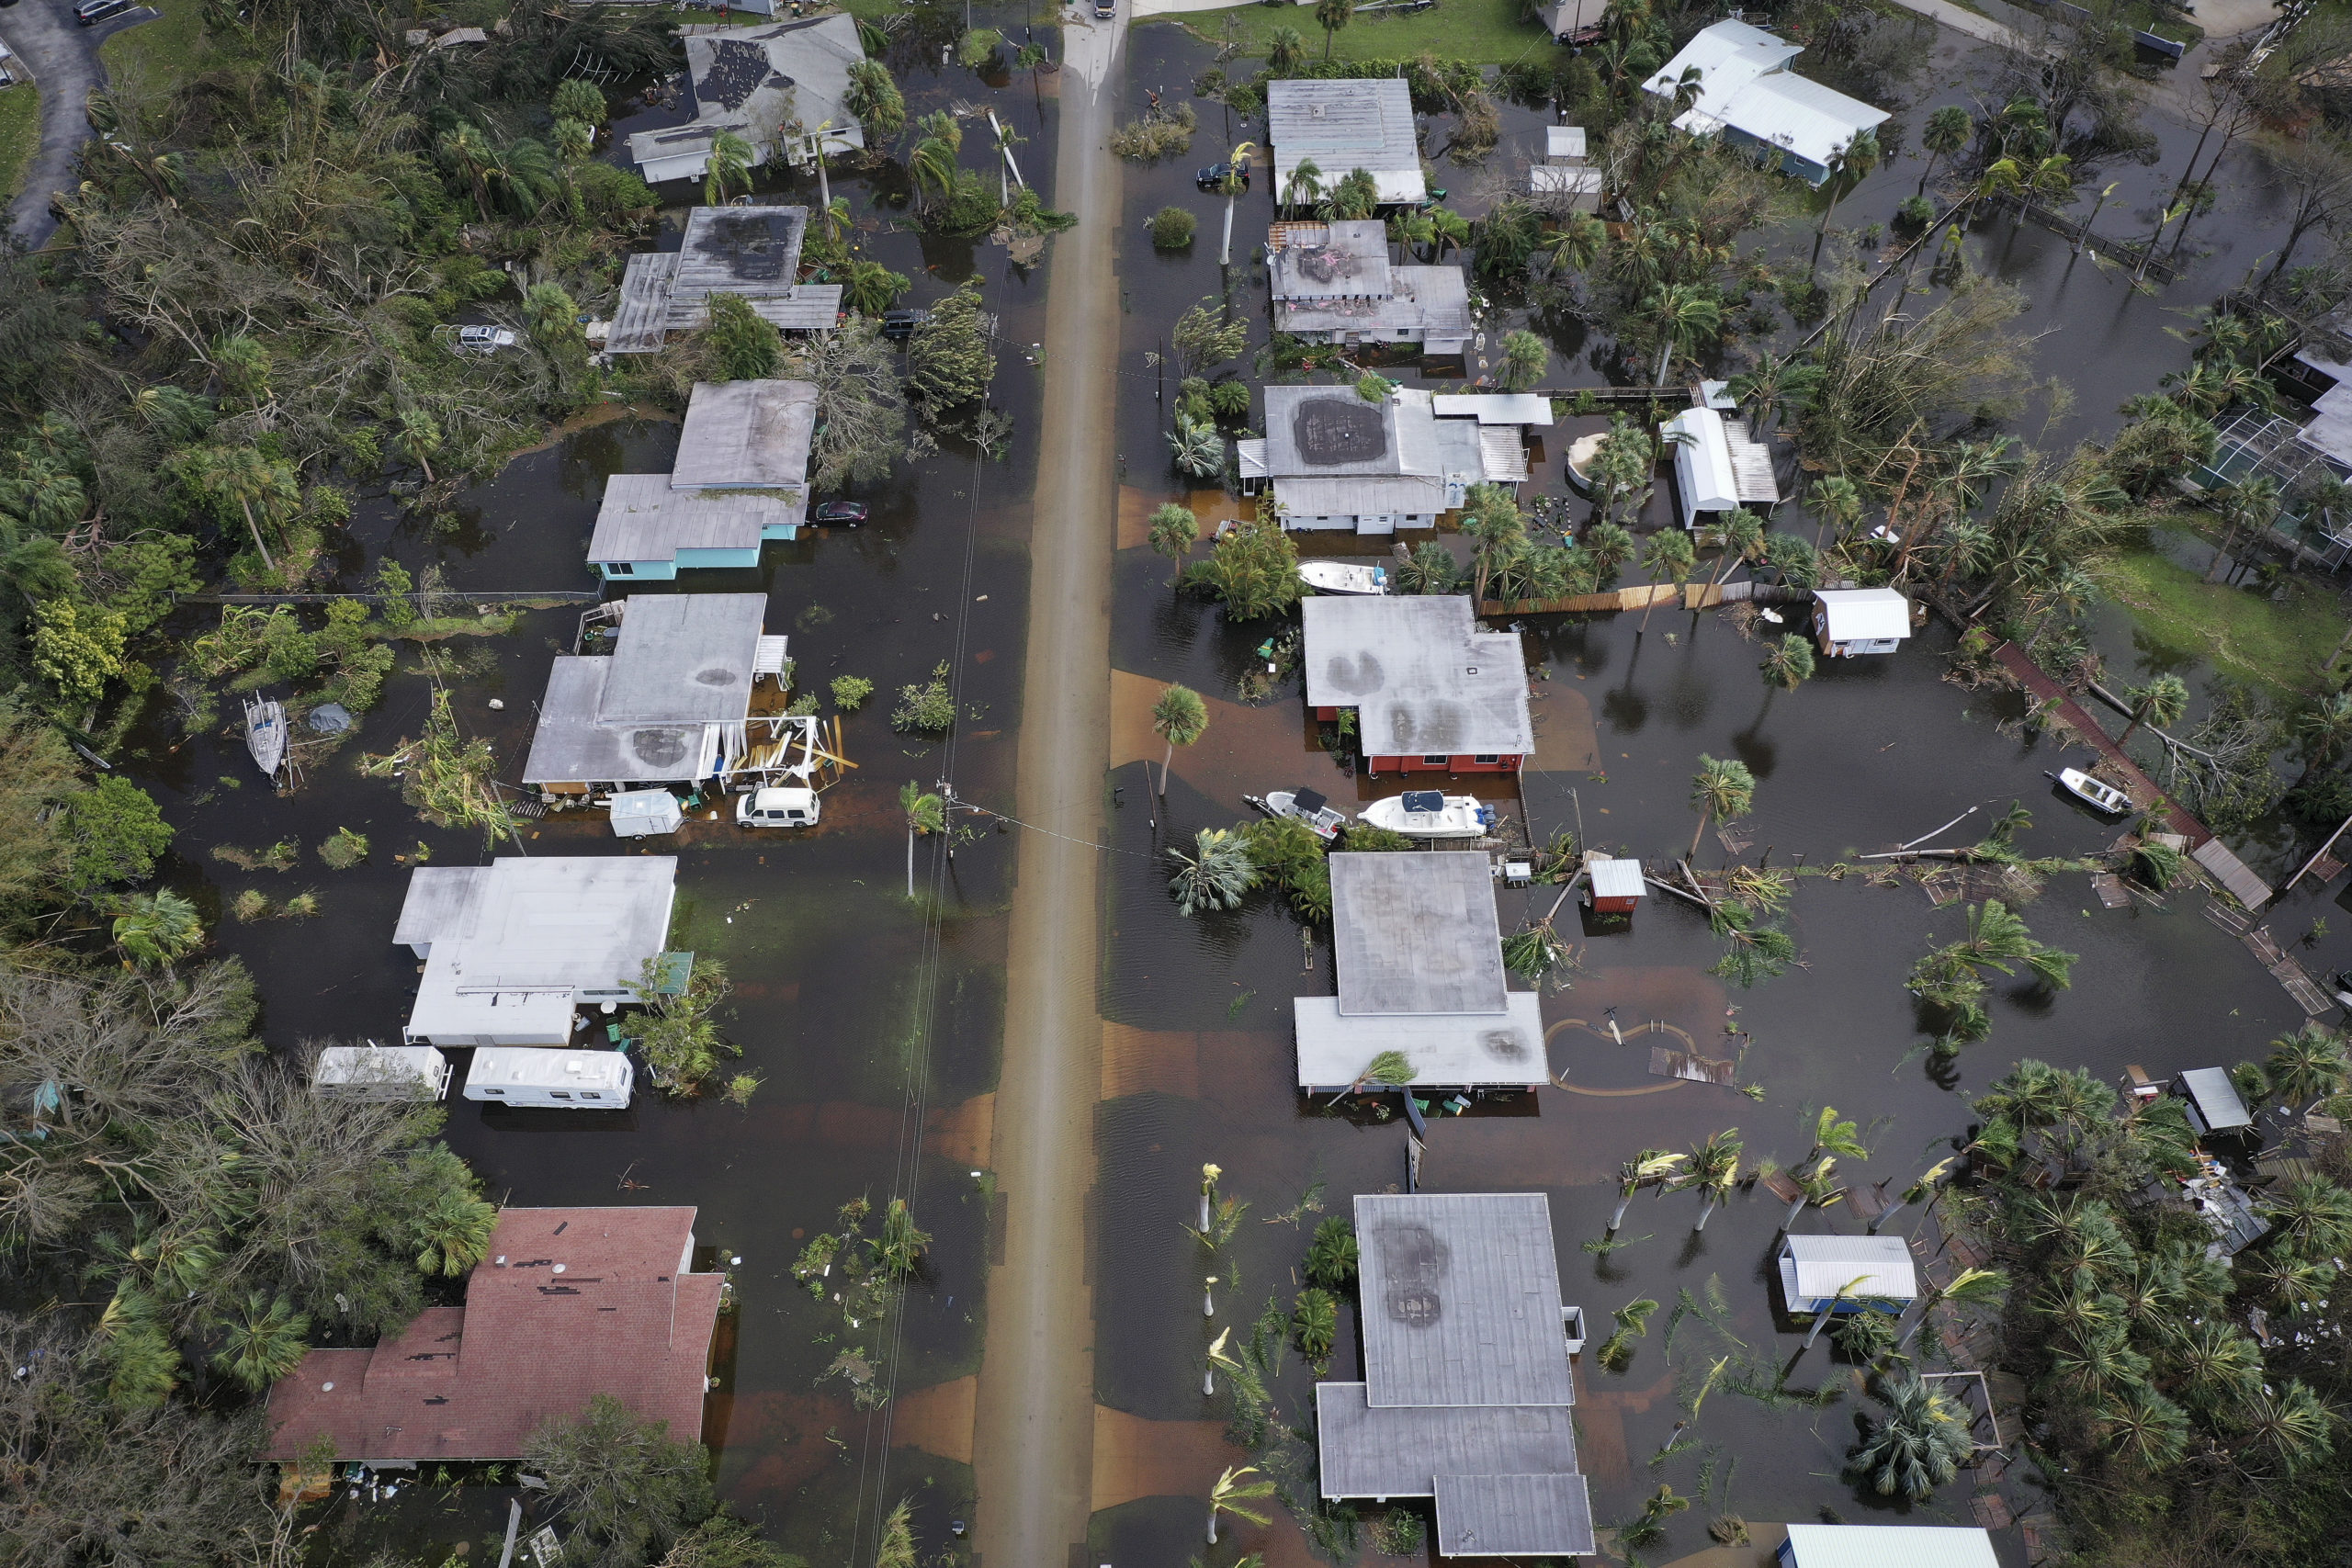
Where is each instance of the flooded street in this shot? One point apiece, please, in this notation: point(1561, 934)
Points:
point(1039, 1053)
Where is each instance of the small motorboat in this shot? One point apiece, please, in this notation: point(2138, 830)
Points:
point(1343, 576)
point(1305, 806)
point(1432, 814)
point(2091, 792)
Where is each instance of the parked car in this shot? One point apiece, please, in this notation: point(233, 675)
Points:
point(91, 12)
point(776, 809)
point(485, 340)
point(841, 511)
point(1212, 178)
point(900, 325)
point(1105, 9)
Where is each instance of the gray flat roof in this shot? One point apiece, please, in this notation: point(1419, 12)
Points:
point(642, 519)
point(2216, 1099)
point(1478, 1050)
point(438, 896)
point(1422, 677)
point(683, 656)
point(1416, 932)
point(546, 921)
point(746, 435)
point(1514, 1516)
point(753, 249)
point(1327, 432)
point(759, 78)
point(1461, 1295)
point(1343, 126)
point(1349, 262)
point(1371, 1452)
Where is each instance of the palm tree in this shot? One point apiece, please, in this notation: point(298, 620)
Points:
point(1216, 875)
point(1917, 1448)
point(2307, 1066)
point(1175, 529)
point(1229, 184)
point(1832, 1136)
point(874, 101)
point(1305, 188)
point(1853, 162)
point(1818, 1186)
point(1230, 1495)
point(1285, 52)
point(1714, 1165)
point(2216, 1363)
point(418, 438)
point(1178, 718)
point(2291, 1425)
point(1970, 1287)
point(463, 148)
point(1787, 663)
point(1453, 230)
point(1837, 504)
point(453, 1232)
point(2312, 1214)
point(2323, 730)
point(730, 162)
point(1670, 554)
point(1649, 1165)
point(1945, 133)
point(2246, 506)
point(1577, 243)
point(926, 813)
point(1332, 1257)
point(1315, 1322)
point(869, 288)
point(1683, 313)
point(1761, 386)
point(1331, 15)
point(1845, 1292)
point(1525, 359)
point(1919, 1192)
point(263, 1343)
point(242, 474)
point(1720, 790)
point(157, 930)
point(2161, 703)
point(1743, 539)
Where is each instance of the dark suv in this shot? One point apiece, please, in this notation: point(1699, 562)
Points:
point(90, 12)
point(1214, 177)
point(900, 325)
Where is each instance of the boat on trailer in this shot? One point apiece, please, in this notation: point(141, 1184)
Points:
point(2092, 791)
point(1343, 576)
point(265, 734)
point(1432, 814)
point(1307, 806)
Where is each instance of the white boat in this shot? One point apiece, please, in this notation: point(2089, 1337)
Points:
point(1343, 576)
point(2091, 792)
point(1307, 806)
point(1431, 814)
point(265, 734)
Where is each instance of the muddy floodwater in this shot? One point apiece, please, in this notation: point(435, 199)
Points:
point(875, 1021)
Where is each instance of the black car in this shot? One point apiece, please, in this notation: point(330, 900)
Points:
point(90, 12)
point(900, 325)
point(1214, 176)
point(841, 511)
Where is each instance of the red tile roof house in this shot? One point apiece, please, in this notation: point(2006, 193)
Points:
point(570, 1303)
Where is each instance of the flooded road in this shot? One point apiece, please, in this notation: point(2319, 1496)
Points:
point(1035, 1431)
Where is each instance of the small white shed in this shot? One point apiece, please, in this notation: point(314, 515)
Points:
point(1564, 144)
point(381, 1072)
point(573, 1080)
point(1703, 476)
point(642, 813)
point(2212, 1101)
point(1847, 621)
point(1887, 1546)
point(1847, 1273)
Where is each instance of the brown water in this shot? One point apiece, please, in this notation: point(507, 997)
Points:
point(878, 1032)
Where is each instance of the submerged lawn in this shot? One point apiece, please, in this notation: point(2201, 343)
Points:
point(2282, 643)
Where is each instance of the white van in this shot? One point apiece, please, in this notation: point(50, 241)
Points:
point(574, 1081)
point(776, 809)
point(381, 1072)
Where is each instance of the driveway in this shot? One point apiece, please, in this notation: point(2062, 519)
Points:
point(63, 58)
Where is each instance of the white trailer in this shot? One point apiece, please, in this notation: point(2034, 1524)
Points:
point(641, 813)
point(381, 1072)
point(574, 1081)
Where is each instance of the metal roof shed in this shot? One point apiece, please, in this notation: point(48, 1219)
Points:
point(1617, 885)
point(1702, 470)
point(2214, 1102)
point(1563, 143)
point(1416, 934)
point(1341, 127)
point(1863, 616)
point(1887, 1546)
point(1871, 1270)
point(746, 435)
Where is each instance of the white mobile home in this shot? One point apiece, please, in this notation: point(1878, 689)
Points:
point(1747, 93)
point(1704, 480)
point(381, 1072)
point(1886, 1545)
point(1847, 1273)
point(571, 1081)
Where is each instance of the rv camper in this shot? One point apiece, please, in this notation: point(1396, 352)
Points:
point(381, 1072)
point(573, 1080)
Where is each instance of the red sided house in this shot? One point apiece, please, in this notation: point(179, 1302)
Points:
point(1433, 692)
point(570, 1303)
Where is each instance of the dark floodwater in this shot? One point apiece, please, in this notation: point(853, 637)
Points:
point(877, 1033)
point(1870, 754)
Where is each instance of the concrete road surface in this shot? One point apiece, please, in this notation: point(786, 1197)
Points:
point(1033, 1431)
point(63, 58)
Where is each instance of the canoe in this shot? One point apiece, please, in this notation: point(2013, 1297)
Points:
point(1305, 805)
point(1343, 576)
point(2091, 792)
point(1431, 814)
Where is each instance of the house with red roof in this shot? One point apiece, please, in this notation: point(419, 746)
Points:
point(570, 1303)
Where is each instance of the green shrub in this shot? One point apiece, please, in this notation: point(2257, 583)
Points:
point(1172, 228)
point(850, 692)
point(346, 849)
point(930, 708)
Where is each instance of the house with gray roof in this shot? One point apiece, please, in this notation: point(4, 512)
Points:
point(740, 478)
point(753, 252)
point(1433, 690)
point(1343, 126)
point(1467, 1397)
point(1334, 282)
point(1335, 461)
point(1748, 94)
point(671, 702)
point(1418, 962)
point(780, 85)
